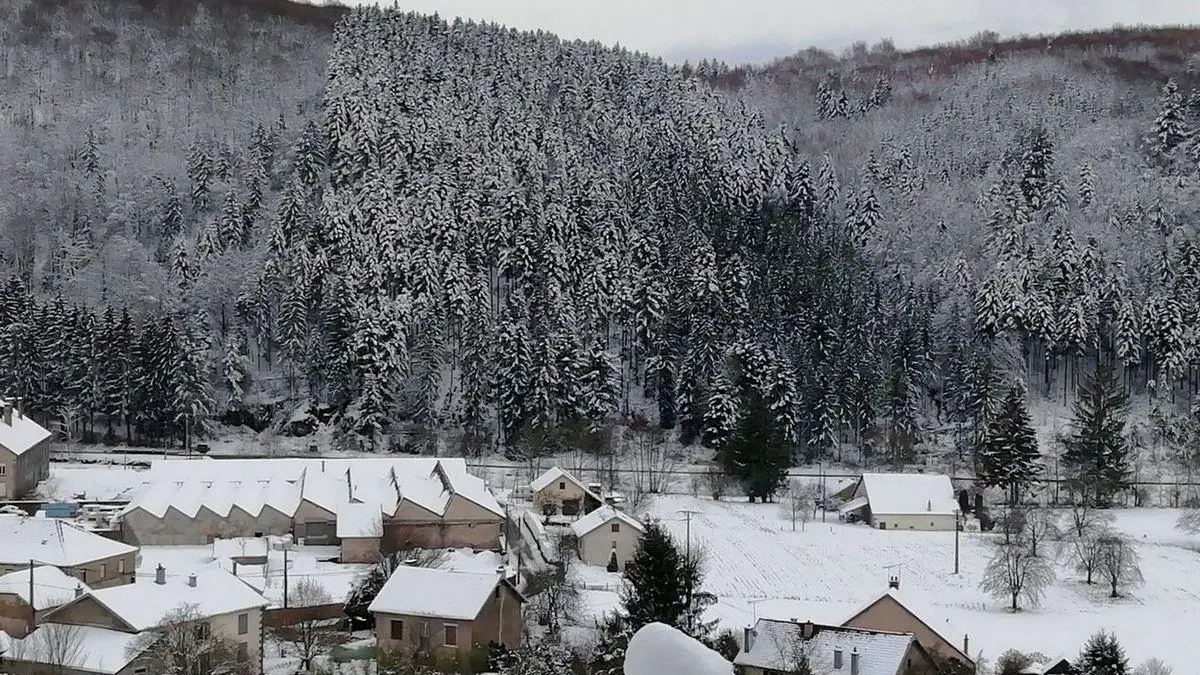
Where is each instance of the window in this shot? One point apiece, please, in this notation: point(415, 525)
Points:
point(243, 652)
point(397, 629)
point(562, 485)
point(103, 570)
point(83, 574)
point(451, 634)
point(243, 624)
point(139, 671)
point(202, 630)
point(3, 469)
point(616, 527)
point(121, 566)
point(202, 665)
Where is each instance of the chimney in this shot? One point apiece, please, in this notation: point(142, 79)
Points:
point(837, 658)
point(929, 505)
point(160, 575)
point(234, 567)
point(78, 590)
point(854, 661)
point(747, 639)
point(808, 630)
point(8, 409)
point(967, 644)
point(192, 580)
point(20, 407)
point(894, 582)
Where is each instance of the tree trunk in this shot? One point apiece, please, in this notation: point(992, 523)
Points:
point(1014, 601)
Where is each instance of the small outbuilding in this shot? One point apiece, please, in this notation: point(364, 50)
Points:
point(360, 528)
point(904, 501)
point(607, 537)
point(557, 492)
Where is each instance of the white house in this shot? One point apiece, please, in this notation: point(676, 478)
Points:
point(557, 491)
point(904, 501)
point(605, 534)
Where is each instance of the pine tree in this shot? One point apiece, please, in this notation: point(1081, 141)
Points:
point(757, 454)
point(1087, 185)
point(658, 582)
point(1009, 453)
point(200, 172)
point(609, 656)
point(1170, 127)
point(1102, 655)
point(1097, 452)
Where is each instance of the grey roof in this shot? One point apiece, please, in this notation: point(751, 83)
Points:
point(776, 645)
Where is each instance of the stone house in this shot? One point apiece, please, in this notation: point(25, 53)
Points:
point(50, 588)
point(557, 492)
point(94, 560)
point(452, 614)
point(108, 622)
point(24, 451)
point(772, 647)
point(607, 537)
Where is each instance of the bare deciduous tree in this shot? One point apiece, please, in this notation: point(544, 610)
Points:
point(652, 463)
point(309, 637)
point(1014, 573)
point(1040, 526)
point(183, 643)
point(554, 599)
point(799, 504)
point(1153, 666)
point(1083, 518)
point(1189, 521)
point(717, 481)
point(58, 646)
point(1118, 562)
point(1086, 552)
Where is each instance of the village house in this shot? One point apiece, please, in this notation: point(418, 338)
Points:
point(24, 451)
point(95, 560)
point(895, 611)
point(607, 537)
point(423, 503)
point(452, 614)
point(107, 624)
point(1052, 666)
point(773, 647)
point(557, 492)
point(903, 501)
point(50, 588)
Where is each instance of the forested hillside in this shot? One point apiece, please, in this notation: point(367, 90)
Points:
point(463, 229)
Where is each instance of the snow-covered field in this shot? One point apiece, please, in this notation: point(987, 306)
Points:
point(757, 566)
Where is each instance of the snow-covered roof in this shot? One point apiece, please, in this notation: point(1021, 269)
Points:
point(22, 433)
point(51, 541)
point(555, 474)
point(241, 547)
point(658, 649)
point(144, 605)
point(601, 517)
point(92, 649)
point(219, 485)
point(930, 615)
point(359, 520)
point(437, 593)
point(853, 505)
point(51, 586)
point(776, 644)
point(909, 493)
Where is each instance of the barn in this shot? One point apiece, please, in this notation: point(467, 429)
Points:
point(903, 501)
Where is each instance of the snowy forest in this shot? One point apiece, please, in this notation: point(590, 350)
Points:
point(216, 218)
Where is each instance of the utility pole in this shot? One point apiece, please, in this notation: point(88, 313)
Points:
point(32, 610)
point(688, 557)
point(824, 494)
point(285, 579)
point(956, 541)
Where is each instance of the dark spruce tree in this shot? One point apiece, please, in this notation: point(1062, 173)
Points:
point(1102, 655)
point(757, 454)
point(1008, 456)
point(1097, 453)
point(662, 584)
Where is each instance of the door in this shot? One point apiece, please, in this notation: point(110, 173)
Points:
point(882, 525)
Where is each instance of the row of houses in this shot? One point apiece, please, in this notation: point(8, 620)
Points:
point(366, 506)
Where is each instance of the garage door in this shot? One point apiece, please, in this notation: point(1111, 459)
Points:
point(320, 534)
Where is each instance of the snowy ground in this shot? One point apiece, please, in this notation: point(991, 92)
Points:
point(758, 567)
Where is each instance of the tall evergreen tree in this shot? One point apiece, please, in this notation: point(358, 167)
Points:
point(1170, 127)
point(1008, 456)
point(1097, 452)
point(1102, 655)
point(658, 582)
point(758, 453)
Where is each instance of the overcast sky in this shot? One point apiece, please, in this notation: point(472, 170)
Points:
point(759, 30)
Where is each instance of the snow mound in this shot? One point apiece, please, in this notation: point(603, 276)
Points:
point(658, 649)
